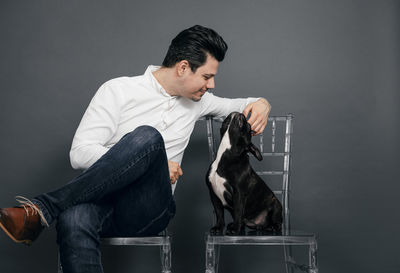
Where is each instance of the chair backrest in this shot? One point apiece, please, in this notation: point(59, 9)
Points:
point(275, 146)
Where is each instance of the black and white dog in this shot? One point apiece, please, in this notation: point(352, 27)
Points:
point(234, 185)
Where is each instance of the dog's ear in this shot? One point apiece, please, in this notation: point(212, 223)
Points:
point(255, 151)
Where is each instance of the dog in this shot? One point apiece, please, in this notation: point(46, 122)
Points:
point(235, 186)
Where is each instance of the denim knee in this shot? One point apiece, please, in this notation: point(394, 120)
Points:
point(145, 134)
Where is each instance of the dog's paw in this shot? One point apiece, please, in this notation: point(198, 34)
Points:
point(233, 229)
point(234, 232)
point(231, 232)
point(230, 226)
point(217, 230)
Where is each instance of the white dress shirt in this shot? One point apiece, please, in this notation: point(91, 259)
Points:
point(123, 104)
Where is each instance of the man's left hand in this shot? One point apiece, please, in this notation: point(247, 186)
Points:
point(259, 115)
point(175, 171)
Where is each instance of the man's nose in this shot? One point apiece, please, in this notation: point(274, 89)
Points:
point(210, 83)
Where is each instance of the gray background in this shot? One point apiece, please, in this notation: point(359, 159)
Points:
point(333, 64)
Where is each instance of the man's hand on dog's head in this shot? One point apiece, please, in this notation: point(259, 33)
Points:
point(259, 115)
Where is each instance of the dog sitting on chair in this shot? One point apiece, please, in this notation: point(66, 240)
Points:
point(235, 186)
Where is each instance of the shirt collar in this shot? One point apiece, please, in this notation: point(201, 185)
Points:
point(157, 86)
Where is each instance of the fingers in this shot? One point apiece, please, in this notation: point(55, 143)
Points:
point(175, 171)
point(247, 110)
point(259, 115)
point(257, 122)
point(253, 119)
point(259, 128)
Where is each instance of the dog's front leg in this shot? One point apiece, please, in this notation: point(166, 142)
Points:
point(218, 208)
point(219, 212)
point(237, 225)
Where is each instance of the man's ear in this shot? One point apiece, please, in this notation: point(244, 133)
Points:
point(182, 67)
point(255, 151)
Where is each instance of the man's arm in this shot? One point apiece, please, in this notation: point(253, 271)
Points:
point(258, 107)
point(98, 125)
point(222, 107)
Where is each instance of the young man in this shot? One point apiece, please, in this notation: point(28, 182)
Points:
point(130, 143)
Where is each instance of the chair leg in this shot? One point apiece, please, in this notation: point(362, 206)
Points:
point(217, 247)
point(313, 265)
point(212, 256)
point(289, 260)
point(165, 251)
point(59, 267)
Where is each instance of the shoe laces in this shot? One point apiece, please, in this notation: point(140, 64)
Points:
point(26, 203)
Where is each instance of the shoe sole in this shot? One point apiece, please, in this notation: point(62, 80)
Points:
point(26, 242)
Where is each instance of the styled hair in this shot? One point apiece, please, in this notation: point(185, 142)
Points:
point(193, 44)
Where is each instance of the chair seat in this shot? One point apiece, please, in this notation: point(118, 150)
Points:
point(144, 241)
point(163, 240)
point(294, 237)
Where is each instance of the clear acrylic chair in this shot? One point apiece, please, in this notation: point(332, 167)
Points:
point(163, 241)
point(275, 170)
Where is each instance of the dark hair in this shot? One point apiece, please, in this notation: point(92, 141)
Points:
point(193, 44)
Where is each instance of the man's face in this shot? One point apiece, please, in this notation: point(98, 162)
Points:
point(197, 83)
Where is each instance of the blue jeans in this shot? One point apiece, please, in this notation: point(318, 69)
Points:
point(127, 192)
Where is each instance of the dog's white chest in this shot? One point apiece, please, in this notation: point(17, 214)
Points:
point(217, 182)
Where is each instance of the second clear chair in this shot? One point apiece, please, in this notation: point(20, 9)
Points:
point(275, 145)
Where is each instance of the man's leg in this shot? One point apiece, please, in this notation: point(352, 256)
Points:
point(144, 208)
point(78, 237)
point(140, 209)
point(120, 167)
point(79, 228)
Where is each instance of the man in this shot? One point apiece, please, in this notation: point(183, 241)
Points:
point(130, 142)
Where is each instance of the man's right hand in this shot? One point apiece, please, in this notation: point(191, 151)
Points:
point(174, 171)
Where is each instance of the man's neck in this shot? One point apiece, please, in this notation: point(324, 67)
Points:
point(165, 77)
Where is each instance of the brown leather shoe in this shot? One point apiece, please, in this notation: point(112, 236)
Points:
point(22, 224)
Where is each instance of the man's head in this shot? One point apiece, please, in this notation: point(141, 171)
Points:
point(192, 62)
point(193, 45)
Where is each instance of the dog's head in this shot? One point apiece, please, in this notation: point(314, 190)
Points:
point(239, 131)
